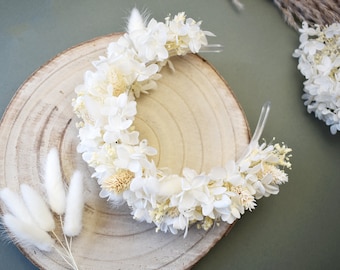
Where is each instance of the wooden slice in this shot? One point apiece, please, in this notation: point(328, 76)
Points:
point(193, 119)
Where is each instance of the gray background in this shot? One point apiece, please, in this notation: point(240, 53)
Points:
point(299, 228)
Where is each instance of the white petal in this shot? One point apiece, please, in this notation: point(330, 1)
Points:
point(207, 209)
point(222, 203)
point(235, 212)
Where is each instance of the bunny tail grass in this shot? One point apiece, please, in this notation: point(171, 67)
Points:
point(74, 206)
point(27, 234)
point(136, 21)
point(38, 208)
point(15, 205)
point(54, 185)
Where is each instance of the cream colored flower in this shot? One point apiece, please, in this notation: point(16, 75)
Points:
point(319, 62)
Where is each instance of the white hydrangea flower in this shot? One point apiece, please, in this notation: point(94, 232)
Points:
point(185, 34)
point(319, 62)
point(150, 41)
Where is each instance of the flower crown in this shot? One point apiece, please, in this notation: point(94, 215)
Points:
point(125, 171)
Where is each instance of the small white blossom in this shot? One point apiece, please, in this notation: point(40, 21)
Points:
point(150, 41)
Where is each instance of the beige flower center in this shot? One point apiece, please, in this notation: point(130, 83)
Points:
point(118, 182)
point(116, 79)
point(164, 210)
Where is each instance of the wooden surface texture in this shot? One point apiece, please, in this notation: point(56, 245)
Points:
point(193, 119)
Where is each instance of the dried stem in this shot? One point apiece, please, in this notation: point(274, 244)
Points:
point(66, 254)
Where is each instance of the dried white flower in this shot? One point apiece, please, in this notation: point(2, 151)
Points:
point(319, 62)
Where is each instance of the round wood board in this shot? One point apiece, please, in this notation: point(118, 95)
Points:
point(193, 119)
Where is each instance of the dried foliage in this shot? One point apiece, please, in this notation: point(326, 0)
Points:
point(322, 12)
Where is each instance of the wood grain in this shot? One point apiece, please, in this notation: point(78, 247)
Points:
point(193, 119)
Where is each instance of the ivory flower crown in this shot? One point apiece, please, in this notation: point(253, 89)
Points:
point(106, 104)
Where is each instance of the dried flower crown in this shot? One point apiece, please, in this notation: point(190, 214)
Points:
point(319, 62)
point(106, 104)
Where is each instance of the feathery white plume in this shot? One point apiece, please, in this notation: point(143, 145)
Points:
point(54, 185)
point(16, 205)
point(74, 206)
point(38, 208)
point(28, 234)
point(136, 21)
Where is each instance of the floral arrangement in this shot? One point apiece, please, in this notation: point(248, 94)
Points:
point(319, 62)
point(123, 165)
point(29, 218)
